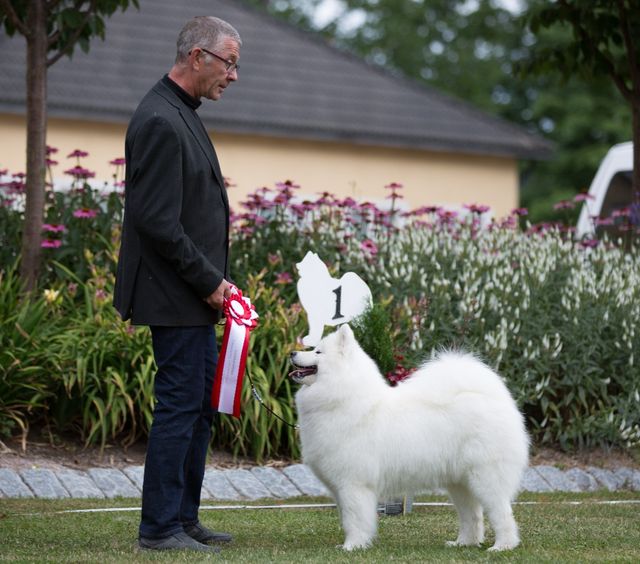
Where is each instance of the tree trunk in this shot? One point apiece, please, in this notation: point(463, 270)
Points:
point(36, 142)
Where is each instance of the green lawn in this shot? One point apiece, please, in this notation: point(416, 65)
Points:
point(552, 531)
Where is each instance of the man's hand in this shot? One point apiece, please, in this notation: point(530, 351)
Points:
point(215, 300)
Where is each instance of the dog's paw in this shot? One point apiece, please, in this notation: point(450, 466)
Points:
point(458, 543)
point(503, 546)
point(355, 545)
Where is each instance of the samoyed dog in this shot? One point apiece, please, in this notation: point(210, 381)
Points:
point(452, 425)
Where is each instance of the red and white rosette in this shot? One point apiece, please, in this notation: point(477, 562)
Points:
point(241, 320)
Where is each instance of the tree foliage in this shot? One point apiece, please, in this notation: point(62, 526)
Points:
point(604, 41)
point(68, 22)
point(51, 29)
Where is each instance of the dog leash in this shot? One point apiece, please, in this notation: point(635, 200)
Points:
point(257, 396)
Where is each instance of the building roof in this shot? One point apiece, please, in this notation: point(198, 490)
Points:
point(292, 84)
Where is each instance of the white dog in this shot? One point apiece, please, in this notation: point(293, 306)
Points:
point(327, 300)
point(452, 424)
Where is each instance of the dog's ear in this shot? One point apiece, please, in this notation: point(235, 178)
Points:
point(345, 335)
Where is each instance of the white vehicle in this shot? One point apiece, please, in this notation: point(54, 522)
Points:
point(611, 188)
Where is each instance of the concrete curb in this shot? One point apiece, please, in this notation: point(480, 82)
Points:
point(266, 482)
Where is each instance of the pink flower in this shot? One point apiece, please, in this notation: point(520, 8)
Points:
point(85, 213)
point(447, 216)
point(326, 198)
point(80, 172)
point(520, 211)
point(77, 154)
point(426, 209)
point(14, 187)
point(118, 162)
point(51, 162)
point(287, 184)
point(394, 186)
point(51, 150)
point(54, 227)
point(368, 246)
point(284, 278)
point(273, 259)
point(51, 243)
point(590, 243)
point(398, 374)
point(583, 197)
point(623, 212)
point(299, 209)
point(476, 208)
point(564, 205)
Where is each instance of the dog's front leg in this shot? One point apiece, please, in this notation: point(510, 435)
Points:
point(359, 517)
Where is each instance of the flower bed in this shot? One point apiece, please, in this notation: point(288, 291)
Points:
point(557, 318)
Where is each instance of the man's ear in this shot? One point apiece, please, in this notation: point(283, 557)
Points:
point(196, 58)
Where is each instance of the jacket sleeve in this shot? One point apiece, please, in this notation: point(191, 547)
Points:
point(155, 193)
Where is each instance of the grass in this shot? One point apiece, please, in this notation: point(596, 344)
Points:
point(552, 531)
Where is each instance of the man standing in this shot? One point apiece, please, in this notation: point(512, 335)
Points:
point(172, 274)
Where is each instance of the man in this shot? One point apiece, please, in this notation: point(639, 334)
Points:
point(172, 274)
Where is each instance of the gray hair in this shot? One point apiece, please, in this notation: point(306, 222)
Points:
point(204, 31)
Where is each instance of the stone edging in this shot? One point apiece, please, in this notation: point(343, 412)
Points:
point(265, 482)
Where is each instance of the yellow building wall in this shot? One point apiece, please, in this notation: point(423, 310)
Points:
point(250, 162)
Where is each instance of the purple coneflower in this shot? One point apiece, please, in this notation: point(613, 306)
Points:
point(368, 246)
point(54, 227)
point(564, 205)
point(77, 154)
point(51, 243)
point(477, 208)
point(85, 213)
point(80, 172)
point(284, 278)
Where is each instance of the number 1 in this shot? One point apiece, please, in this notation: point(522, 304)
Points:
point(338, 293)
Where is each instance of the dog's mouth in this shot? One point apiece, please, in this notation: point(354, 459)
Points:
point(299, 374)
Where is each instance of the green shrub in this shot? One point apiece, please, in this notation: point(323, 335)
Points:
point(25, 328)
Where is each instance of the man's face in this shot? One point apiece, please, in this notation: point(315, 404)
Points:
point(214, 77)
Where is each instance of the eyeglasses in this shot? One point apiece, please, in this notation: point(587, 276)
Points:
point(229, 65)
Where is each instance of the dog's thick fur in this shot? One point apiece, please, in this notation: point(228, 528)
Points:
point(452, 424)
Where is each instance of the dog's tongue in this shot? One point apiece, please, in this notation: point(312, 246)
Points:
point(301, 372)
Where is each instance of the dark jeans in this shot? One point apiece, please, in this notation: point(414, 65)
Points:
point(179, 437)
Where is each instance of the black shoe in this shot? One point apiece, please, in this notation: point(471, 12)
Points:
point(201, 534)
point(178, 541)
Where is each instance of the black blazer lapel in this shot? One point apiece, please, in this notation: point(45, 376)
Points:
point(198, 131)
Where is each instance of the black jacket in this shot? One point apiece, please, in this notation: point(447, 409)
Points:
point(175, 237)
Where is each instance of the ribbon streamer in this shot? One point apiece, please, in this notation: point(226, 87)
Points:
point(242, 318)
